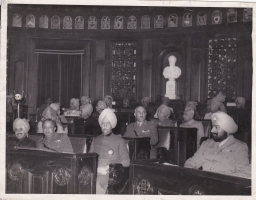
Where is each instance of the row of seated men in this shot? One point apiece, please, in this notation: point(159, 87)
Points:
point(222, 153)
point(162, 116)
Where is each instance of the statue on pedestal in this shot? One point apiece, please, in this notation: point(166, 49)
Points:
point(171, 72)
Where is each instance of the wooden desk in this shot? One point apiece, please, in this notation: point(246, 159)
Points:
point(139, 148)
point(150, 177)
point(182, 143)
point(42, 172)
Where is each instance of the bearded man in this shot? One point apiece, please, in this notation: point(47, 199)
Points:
point(111, 148)
point(222, 153)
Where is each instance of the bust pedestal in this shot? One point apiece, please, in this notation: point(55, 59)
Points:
point(171, 89)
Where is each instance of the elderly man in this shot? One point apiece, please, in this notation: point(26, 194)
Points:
point(108, 100)
point(50, 113)
point(73, 108)
point(165, 102)
point(222, 153)
point(145, 102)
point(110, 148)
point(189, 122)
point(143, 128)
point(57, 142)
point(21, 128)
point(216, 105)
point(163, 114)
point(86, 107)
point(101, 105)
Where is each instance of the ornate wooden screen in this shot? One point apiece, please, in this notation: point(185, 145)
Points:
point(124, 65)
point(222, 67)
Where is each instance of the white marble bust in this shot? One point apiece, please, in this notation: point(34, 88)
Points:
point(172, 71)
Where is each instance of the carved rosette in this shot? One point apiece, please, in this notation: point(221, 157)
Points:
point(84, 175)
point(61, 175)
point(196, 190)
point(115, 173)
point(16, 171)
point(143, 187)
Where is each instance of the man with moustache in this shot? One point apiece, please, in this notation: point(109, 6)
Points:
point(111, 148)
point(53, 141)
point(222, 153)
point(21, 128)
point(143, 128)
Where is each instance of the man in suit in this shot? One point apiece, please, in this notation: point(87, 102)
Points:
point(222, 153)
point(143, 128)
point(189, 122)
point(111, 148)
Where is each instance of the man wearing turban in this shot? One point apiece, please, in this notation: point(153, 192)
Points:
point(143, 128)
point(216, 105)
point(21, 128)
point(110, 148)
point(50, 113)
point(163, 114)
point(189, 122)
point(222, 153)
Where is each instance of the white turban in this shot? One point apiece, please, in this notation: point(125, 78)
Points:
point(21, 123)
point(225, 122)
point(110, 115)
point(191, 105)
point(55, 106)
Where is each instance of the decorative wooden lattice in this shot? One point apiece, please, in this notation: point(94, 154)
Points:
point(222, 67)
point(124, 65)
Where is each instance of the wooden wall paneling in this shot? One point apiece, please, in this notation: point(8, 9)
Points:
point(86, 69)
point(147, 68)
point(108, 66)
point(247, 68)
point(32, 77)
point(98, 70)
point(19, 83)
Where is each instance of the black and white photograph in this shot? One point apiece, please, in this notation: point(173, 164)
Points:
point(140, 99)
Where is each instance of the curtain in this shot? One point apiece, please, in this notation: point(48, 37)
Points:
point(48, 78)
point(70, 78)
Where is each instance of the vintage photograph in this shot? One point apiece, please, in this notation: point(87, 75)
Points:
point(134, 100)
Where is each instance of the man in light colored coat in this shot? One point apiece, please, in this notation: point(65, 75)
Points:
point(222, 153)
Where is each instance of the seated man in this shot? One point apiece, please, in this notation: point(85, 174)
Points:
point(143, 128)
point(192, 105)
point(126, 103)
point(189, 122)
point(21, 128)
point(86, 107)
point(223, 153)
point(150, 110)
point(110, 148)
point(108, 100)
point(216, 104)
point(42, 108)
point(50, 113)
point(163, 114)
point(73, 109)
point(165, 101)
point(53, 141)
